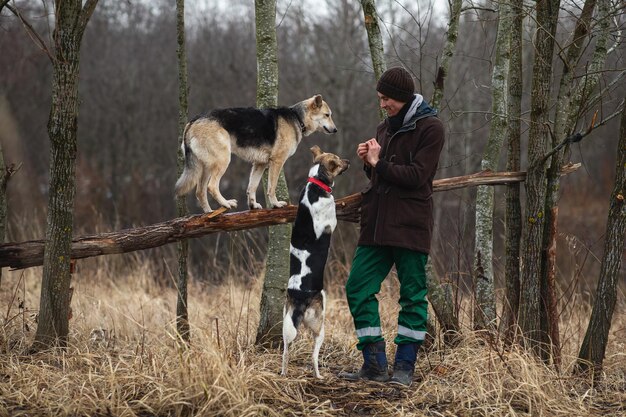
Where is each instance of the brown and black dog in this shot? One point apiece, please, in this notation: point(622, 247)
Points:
point(264, 137)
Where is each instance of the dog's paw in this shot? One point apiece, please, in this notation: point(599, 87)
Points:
point(230, 204)
point(279, 204)
point(254, 205)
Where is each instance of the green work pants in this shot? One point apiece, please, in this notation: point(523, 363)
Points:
point(370, 267)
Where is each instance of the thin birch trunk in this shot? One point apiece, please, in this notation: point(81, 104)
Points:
point(182, 247)
point(269, 331)
point(375, 40)
point(485, 305)
point(532, 298)
point(448, 52)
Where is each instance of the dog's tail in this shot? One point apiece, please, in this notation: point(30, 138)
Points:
point(189, 178)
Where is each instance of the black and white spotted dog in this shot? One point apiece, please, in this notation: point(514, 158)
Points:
point(310, 240)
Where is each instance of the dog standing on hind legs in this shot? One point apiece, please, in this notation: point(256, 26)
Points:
point(310, 240)
point(263, 137)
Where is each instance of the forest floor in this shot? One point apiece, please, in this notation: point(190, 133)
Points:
point(124, 359)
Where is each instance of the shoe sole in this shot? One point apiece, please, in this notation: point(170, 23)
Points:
point(353, 378)
point(396, 382)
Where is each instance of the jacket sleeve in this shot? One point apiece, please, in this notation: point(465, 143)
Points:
point(423, 163)
point(368, 171)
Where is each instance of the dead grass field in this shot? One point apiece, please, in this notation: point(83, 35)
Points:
point(139, 369)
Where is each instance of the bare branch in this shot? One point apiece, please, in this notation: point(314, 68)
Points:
point(10, 171)
point(484, 9)
point(31, 31)
point(2, 4)
point(602, 93)
point(578, 136)
point(85, 14)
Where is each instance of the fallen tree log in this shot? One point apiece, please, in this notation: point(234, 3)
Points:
point(21, 255)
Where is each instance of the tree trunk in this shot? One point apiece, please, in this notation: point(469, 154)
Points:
point(375, 40)
point(567, 113)
point(441, 297)
point(513, 214)
point(533, 318)
point(269, 332)
point(448, 52)
point(439, 293)
point(4, 178)
point(485, 305)
point(182, 248)
point(54, 308)
point(592, 351)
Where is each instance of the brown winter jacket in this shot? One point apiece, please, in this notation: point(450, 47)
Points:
point(397, 207)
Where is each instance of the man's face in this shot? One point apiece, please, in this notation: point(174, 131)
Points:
point(391, 106)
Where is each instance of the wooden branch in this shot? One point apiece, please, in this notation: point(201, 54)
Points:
point(3, 3)
point(19, 255)
point(85, 15)
point(31, 31)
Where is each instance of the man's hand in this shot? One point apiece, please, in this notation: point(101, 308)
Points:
point(361, 151)
point(373, 152)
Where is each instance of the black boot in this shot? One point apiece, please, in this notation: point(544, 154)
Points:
point(404, 364)
point(374, 364)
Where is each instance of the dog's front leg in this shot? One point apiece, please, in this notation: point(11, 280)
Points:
point(253, 184)
point(275, 166)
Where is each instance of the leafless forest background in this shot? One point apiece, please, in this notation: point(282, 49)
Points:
point(128, 122)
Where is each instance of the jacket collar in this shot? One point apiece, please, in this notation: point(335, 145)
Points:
point(419, 109)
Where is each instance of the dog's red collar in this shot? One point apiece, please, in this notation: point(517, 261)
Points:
point(320, 184)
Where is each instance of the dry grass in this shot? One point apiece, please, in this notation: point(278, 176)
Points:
point(139, 369)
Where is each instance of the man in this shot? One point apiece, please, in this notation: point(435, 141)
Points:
point(396, 225)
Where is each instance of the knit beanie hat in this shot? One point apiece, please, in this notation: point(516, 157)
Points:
point(396, 83)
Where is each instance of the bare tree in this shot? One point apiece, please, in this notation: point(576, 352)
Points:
point(485, 306)
point(593, 348)
point(54, 311)
point(269, 332)
point(573, 100)
point(532, 318)
point(440, 292)
point(182, 247)
point(513, 215)
point(567, 111)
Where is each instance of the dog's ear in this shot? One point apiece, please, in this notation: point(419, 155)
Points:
point(317, 101)
point(316, 151)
